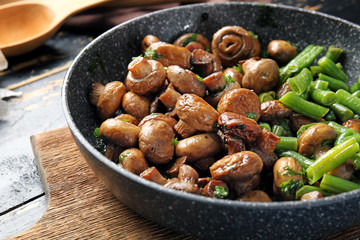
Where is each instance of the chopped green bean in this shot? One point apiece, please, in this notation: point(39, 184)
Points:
point(265, 125)
point(308, 188)
point(355, 86)
point(331, 159)
point(277, 130)
point(330, 116)
point(334, 53)
point(334, 84)
point(304, 107)
point(356, 161)
point(331, 69)
point(342, 112)
point(315, 70)
point(341, 137)
point(300, 82)
point(319, 84)
point(346, 99)
point(356, 94)
point(302, 160)
point(340, 129)
point(337, 185)
point(323, 97)
point(287, 143)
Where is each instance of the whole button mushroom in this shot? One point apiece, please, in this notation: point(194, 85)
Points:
point(145, 77)
point(155, 141)
point(168, 54)
point(109, 99)
point(186, 40)
point(241, 171)
point(205, 63)
point(118, 132)
point(273, 110)
point(194, 111)
point(241, 101)
point(281, 51)
point(214, 99)
point(147, 41)
point(135, 105)
point(260, 76)
point(185, 81)
point(234, 43)
point(313, 138)
point(133, 160)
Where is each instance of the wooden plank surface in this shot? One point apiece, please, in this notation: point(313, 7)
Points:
point(79, 206)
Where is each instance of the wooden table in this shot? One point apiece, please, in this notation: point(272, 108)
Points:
point(39, 76)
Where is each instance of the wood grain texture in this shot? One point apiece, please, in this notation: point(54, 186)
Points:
point(79, 205)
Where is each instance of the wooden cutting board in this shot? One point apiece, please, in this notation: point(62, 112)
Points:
point(79, 205)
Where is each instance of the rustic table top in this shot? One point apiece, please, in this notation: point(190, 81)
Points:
point(39, 76)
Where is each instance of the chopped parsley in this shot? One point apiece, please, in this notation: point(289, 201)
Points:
point(190, 39)
point(229, 79)
point(133, 58)
point(291, 186)
point(100, 144)
point(239, 68)
point(151, 53)
point(253, 35)
point(200, 78)
point(289, 171)
point(123, 156)
point(220, 192)
point(124, 119)
point(174, 141)
point(251, 115)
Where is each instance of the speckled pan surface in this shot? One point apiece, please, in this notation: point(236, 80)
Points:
point(106, 59)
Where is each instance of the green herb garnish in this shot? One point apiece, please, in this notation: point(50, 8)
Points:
point(174, 141)
point(122, 156)
point(100, 144)
point(220, 192)
point(291, 186)
point(151, 53)
point(190, 39)
point(251, 115)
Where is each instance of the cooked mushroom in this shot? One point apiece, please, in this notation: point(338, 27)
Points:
point(260, 76)
point(214, 98)
point(188, 174)
point(159, 117)
point(205, 63)
point(175, 165)
point(215, 82)
point(314, 137)
point(185, 81)
point(152, 174)
point(118, 132)
point(311, 196)
point(184, 129)
point(110, 99)
point(274, 109)
point(194, 111)
point(297, 120)
point(127, 118)
point(241, 101)
point(285, 169)
point(281, 51)
point(353, 124)
point(216, 189)
point(169, 97)
point(147, 41)
point(136, 105)
point(344, 170)
point(241, 171)
point(233, 43)
point(199, 146)
point(283, 89)
point(133, 160)
point(145, 77)
point(112, 152)
point(155, 141)
point(204, 164)
point(235, 74)
point(254, 196)
point(96, 90)
point(176, 184)
point(169, 54)
point(186, 40)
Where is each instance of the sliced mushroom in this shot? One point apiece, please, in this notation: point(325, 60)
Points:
point(133, 160)
point(152, 174)
point(194, 111)
point(185, 81)
point(215, 82)
point(184, 129)
point(281, 51)
point(110, 99)
point(260, 76)
point(145, 77)
point(169, 97)
point(241, 101)
point(176, 184)
point(136, 105)
point(283, 89)
point(205, 63)
point(121, 133)
point(173, 171)
point(216, 189)
point(233, 43)
point(353, 124)
point(315, 136)
point(186, 40)
point(274, 109)
point(254, 196)
point(169, 54)
point(155, 141)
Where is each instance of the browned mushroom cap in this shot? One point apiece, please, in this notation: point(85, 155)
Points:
point(199, 146)
point(311, 196)
point(155, 141)
point(175, 165)
point(110, 99)
point(353, 124)
point(215, 82)
point(297, 120)
point(204, 164)
point(233, 43)
point(239, 170)
point(185, 81)
point(176, 184)
point(314, 137)
point(274, 109)
point(283, 171)
point(184, 129)
point(147, 41)
point(133, 160)
point(214, 98)
point(260, 76)
point(194, 111)
point(205, 63)
point(159, 117)
point(152, 174)
point(127, 118)
point(281, 51)
point(186, 39)
point(145, 76)
point(136, 105)
point(188, 174)
point(210, 189)
point(169, 97)
point(254, 196)
point(283, 89)
point(112, 152)
point(119, 132)
point(344, 170)
point(242, 101)
point(235, 74)
point(169, 54)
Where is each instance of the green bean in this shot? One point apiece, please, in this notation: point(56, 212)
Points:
point(308, 188)
point(355, 86)
point(356, 161)
point(346, 99)
point(302, 160)
point(323, 97)
point(331, 159)
point(300, 82)
point(277, 130)
point(342, 112)
point(339, 66)
point(340, 129)
point(304, 107)
point(315, 70)
point(356, 136)
point(265, 125)
point(287, 143)
point(334, 53)
point(337, 185)
point(342, 136)
point(356, 94)
point(331, 69)
point(319, 84)
point(330, 116)
point(267, 96)
point(304, 59)
point(334, 84)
